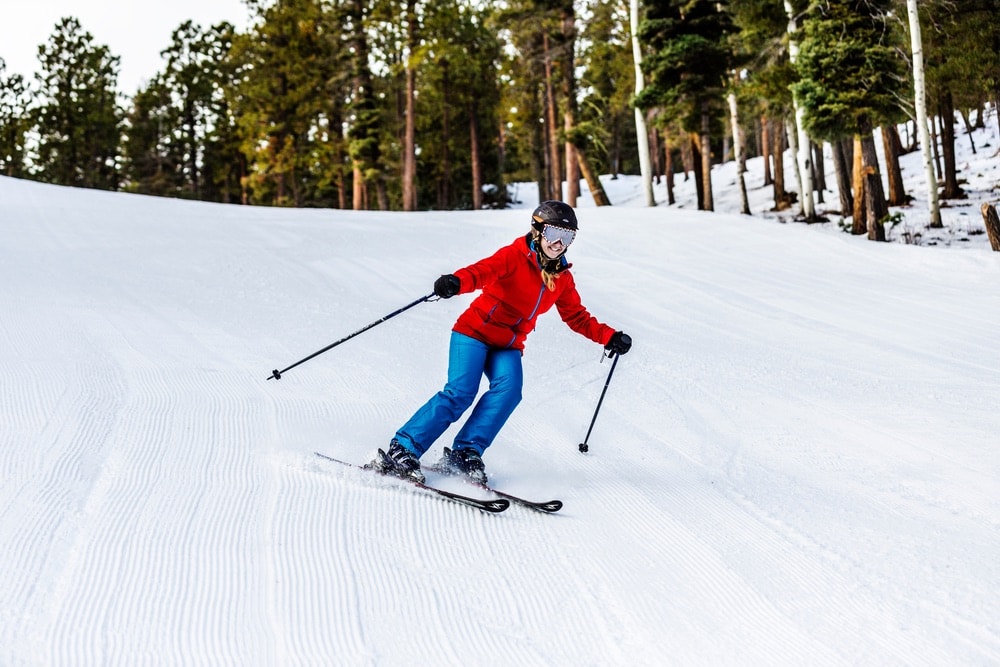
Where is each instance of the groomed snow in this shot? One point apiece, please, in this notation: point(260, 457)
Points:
point(796, 464)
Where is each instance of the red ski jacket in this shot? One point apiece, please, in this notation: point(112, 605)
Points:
point(513, 296)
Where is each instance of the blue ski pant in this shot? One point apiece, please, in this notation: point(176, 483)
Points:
point(468, 360)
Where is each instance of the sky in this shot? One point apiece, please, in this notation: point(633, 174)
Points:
point(133, 30)
point(795, 464)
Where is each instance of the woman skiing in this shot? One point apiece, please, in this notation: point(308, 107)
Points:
point(519, 282)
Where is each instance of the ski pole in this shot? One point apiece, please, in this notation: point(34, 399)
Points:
point(276, 374)
point(584, 447)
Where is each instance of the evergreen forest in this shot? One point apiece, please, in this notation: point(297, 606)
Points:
point(436, 105)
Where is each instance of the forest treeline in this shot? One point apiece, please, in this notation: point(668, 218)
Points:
point(421, 104)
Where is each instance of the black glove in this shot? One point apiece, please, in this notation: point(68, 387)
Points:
point(447, 286)
point(620, 343)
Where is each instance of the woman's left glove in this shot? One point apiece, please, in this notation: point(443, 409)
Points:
point(620, 343)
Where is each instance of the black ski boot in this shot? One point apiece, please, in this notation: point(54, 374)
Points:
point(399, 462)
point(465, 462)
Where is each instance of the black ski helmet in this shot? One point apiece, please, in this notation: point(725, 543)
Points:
point(554, 212)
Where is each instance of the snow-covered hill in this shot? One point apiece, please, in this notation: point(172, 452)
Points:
point(796, 464)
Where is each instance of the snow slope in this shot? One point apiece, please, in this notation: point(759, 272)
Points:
point(796, 464)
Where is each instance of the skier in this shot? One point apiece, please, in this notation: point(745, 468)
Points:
point(518, 282)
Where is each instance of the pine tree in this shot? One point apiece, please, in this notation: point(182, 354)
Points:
point(287, 58)
point(153, 159)
point(223, 164)
point(15, 107)
point(192, 78)
point(849, 86)
point(533, 139)
point(962, 45)
point(364, 145)
point(178, 122)
point(458, 103)
point(78, 120)
point(609, 81)
point(688, 68)
point(762, 48)
point(524, 130)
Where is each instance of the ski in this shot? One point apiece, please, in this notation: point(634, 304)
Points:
point(491, 505)
point(547, 506)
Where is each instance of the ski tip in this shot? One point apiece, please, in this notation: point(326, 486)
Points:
point(498, 505)
point(551, 506)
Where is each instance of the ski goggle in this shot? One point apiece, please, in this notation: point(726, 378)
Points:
point(555, 234)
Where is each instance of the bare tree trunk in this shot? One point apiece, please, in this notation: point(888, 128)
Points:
point(872, 164)
point(640, 120)
point(996, 104)
point(613, 147)
point(968, 128)
point(477, 166)
point(555, 178)
point(687, 156)
point(593, 181)
point(819, 172)
point(765, 149)
point(798, 137)
point(781, 198)
point(538, 152)
point(569, 101)
point(501, 201)
point(383, 194)
point(734, 121)
point(952, 190)
point(875, 207)
point(699, 183)
point(409, 139)
point(572, 168)
point(793, 145)
point(545, 184)
point(669, 167)
point(858, 226)
point(654, 154)
point(876, 230)
point(843, 159)
point(360, 195)
point(444, 185)
point(935, 146)
point(274, 144)
point(706, 158)
point(992, 225)
point(894, 175)
point(192, 154)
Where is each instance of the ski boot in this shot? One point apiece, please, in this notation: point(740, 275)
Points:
point(465, 462)
point(399, 462)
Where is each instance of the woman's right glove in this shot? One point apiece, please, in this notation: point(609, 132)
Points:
point(620, 343)
point(447, 286)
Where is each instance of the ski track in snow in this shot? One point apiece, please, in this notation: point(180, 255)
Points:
point(780, 474)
